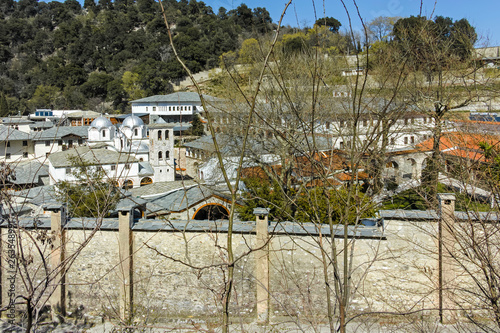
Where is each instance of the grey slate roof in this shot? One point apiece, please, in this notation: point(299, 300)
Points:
point(159, 188)
point(42, 124)
point(129, 202)
point(145, 169)
point(17, 211)
point(9, 134)
point(16, 120)
point(83, 114)
point(38, 194)
point(399, 214)
point(178, 97)
point(182, 199)
point(161, 124)
point(56, 133)
point(123, 116)
point(245, 227)
point(29, 172)
point(94, 156)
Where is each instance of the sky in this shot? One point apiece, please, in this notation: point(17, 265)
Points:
point(482, 14)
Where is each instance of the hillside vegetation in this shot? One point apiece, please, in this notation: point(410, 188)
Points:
point(63, 55)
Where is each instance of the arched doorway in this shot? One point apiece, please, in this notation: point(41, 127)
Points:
point(127, 184)
point(411, 169)
point(211, 212)
point(146, 181)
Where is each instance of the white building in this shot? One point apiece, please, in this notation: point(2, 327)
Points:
point(15, 145)
point(125, 153)
point(177, 108)
point(122, 168)
point(57, 139)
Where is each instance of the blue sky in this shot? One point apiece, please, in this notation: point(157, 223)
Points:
point(483, 14)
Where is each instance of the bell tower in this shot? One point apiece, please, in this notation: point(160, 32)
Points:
point(161, 151)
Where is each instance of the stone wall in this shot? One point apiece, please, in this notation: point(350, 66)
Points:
point(179, 275)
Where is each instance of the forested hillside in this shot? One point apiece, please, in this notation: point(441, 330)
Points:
point(101, 55)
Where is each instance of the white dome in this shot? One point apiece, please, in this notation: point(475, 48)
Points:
point(101, 122)
point(132, 121)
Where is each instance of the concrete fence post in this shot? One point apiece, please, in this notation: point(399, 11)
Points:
point(126, 246)
point(4, 300)
point(57, 299)
point(262, 263)
point(446, 245)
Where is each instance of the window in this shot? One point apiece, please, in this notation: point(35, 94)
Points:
point(7, 156)
point(159, 135)
point(160, 156)
point(342, 123)
point(127, 166)
point(166, 134)
point(136, 131)
point(393, 141)
point(113, 167)
point(25, 155)
point(406, 140)
point(365, 123)
point(327, 125)
point(412, 140)
point(406, 121)
point(167, 155)
point(8, 143)
point(146, 109)
point(341, 145)
point(154, 108)
point(80, 142)
point(59, 142)
point(47, 143)
point(103, 133)
point(25, 143)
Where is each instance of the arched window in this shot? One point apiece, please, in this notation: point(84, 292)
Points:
point(136, 131)
point(166, 134)
point(167, 155)
point(159, 135)
point(127, 184)
point(160, 155)
point(103, 133)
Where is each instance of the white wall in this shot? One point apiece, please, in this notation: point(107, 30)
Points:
point(16, 150)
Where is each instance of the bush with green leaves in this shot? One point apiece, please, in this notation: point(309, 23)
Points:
point(91, 194)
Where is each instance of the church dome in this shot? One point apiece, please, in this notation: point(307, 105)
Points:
point(101, 122)
point(132, 121)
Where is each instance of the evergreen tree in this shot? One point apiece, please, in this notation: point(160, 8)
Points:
point(4, 106)
point(197, 126)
